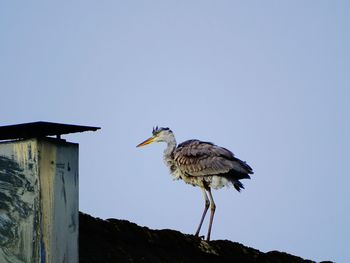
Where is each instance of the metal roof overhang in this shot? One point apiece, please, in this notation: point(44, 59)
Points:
point(40, 129)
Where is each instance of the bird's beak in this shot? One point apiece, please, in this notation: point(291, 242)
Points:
point(148, 141)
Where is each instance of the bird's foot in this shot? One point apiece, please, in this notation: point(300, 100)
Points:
point(201, 237)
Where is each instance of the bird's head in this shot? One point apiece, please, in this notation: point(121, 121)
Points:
point(159, 135)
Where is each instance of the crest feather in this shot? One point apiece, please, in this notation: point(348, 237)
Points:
point(157, 130)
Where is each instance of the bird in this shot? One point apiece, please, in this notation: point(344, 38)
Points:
point(201, 164)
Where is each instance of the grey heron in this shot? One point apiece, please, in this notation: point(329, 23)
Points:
point(202, 164)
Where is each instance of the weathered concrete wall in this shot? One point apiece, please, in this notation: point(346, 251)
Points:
point(58, 169)
point(38, 201)
point(19, 202)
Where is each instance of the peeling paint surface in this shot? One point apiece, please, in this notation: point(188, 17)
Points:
point(25, 153)
point(19, 203)
point(38, 201)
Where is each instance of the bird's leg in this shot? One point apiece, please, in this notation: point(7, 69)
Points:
point(212, 212)
point(206, 206)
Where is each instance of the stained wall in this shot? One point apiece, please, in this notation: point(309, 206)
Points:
point(38, 201)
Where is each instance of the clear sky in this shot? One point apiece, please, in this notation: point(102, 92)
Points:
point(268, 80)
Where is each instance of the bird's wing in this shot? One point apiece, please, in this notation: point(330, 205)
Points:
point(197, 158)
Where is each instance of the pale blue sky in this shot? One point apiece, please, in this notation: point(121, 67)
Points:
point(268, 80)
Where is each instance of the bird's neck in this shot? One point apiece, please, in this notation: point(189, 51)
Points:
point(171, 145)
